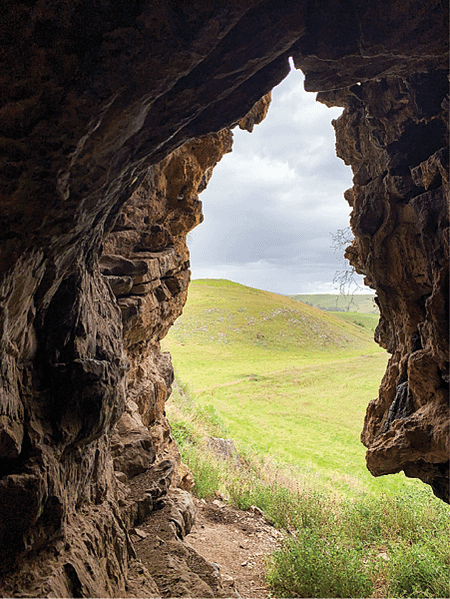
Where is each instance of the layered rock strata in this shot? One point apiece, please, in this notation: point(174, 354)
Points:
point(111, 117)
point(146, 263)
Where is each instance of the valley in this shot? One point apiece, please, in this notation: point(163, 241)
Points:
point(289, 381)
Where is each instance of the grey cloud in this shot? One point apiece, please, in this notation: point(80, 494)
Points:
point(271, 204)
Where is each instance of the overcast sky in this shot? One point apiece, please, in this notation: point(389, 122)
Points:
point(273, 203)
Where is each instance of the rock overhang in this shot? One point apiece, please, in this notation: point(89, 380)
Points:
point(111, 122)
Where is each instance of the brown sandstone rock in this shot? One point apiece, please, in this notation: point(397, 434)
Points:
point(112, 117)
point(393, 132)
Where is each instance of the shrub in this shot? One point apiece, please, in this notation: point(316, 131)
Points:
point(184, 432)
point(208, 474)
point(405, 518)
point(420, 570)
point(275, 501)
point(309, 565)
point(210, 419)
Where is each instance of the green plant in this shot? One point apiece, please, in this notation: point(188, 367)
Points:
point(309, 565)
point(210, 419)
point(274, 500)
point(420, 570)
point(207, 472)
point(407, 517)
point(342, 546)
point(184, 432)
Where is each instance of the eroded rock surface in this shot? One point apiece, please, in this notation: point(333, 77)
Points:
point(394, 134)
point(112, 117)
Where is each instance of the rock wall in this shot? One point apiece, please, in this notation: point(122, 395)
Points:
point(146, 263)
point(112, 116)
point(394, 134)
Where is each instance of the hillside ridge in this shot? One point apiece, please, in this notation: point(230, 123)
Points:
point(362, 303)
point(221, 311)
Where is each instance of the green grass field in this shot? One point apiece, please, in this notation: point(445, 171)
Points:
point(360, 319)
point(361, 303)
point(334, 544)
point(289, 380)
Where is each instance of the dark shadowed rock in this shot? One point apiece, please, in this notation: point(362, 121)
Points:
point(112, 117)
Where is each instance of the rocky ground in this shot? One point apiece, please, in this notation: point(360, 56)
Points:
point(238, 542)
point(224, 554)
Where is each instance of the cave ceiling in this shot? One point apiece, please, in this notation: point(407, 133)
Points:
point(112, 117)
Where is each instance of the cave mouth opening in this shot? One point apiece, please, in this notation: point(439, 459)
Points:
point(271, 209)
point(78, 143)
point(275, 202)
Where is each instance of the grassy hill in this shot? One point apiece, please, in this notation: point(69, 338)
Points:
point(288, 379)
point(367, 321)
point(219, 311)
point(343, 303)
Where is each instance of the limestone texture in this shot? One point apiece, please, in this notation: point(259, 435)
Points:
point(112, 117)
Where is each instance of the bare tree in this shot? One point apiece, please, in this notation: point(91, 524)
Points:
point(346, 276)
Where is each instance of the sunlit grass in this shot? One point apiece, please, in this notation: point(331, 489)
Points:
point(334, 545)
point(301, 401)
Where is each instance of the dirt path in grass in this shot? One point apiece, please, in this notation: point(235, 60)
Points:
point(245, 379)
point(238, 542)
point(297, 370)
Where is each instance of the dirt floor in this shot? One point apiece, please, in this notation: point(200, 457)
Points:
point(238, 542)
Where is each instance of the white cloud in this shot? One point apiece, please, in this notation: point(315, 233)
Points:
point(261, 170)
point(272, 204)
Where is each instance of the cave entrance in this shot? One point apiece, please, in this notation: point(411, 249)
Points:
point(286, 378)
point(273, 202)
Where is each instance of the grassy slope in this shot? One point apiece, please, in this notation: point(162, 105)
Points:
point(287, 378)
point(355, 303)
point(367, 321)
